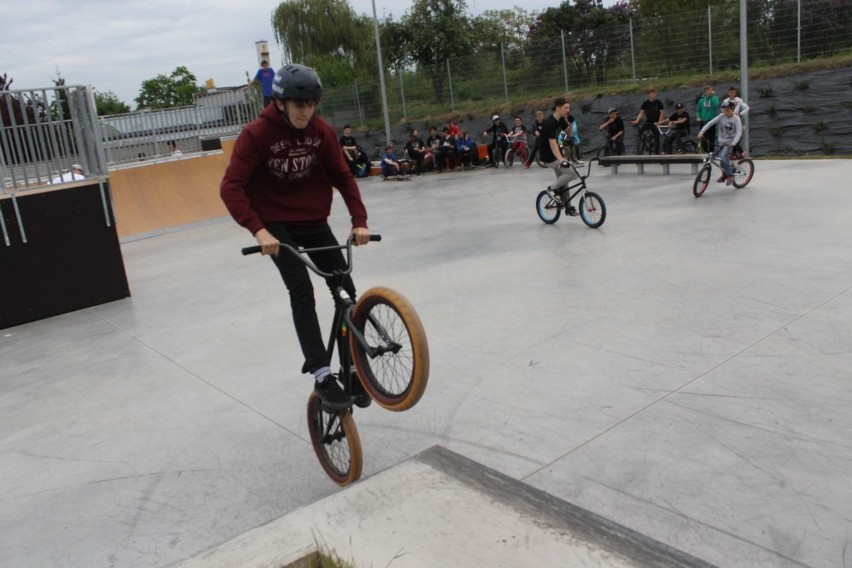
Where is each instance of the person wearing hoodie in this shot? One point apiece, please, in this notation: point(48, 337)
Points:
point(278, 185)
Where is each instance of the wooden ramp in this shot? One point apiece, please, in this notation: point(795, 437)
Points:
point(154, 196)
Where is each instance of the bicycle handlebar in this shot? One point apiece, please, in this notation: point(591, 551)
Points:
point(256, 248)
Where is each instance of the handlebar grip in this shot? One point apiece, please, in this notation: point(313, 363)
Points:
point(251, 250)
point(375, 238)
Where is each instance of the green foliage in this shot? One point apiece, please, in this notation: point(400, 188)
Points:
point(177, 89)
point(807, 109)
point(777, 131)
point(327, 35)
point(803, 85)
point(829, 148)
point(770, 109)
point(594, 35)
point(108, 103)
point(506, 29)
point(820, 126)
point(765, 92)
point(432, 32)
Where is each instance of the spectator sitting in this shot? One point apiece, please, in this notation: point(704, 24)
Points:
point(453, 129)
point(415, 150)
point(518, 138)
point(349, 146)
point(436, 143)
point(678, 130)
point(390, 165)
point(75, 174)
point(498, 132)
point(449, 147)
point(362, 163)
point(173, 149)
point(467, 150)
point(614, 127)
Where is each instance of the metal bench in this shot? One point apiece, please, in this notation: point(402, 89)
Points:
point(665, 160)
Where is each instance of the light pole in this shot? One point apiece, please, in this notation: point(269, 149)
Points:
point(381, 75)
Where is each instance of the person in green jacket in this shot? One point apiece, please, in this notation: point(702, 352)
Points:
point(706, 110)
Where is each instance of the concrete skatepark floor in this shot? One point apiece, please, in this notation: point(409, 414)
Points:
point(684, 371)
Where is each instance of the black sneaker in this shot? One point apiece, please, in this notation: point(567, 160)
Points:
point(359, 395)
point(331, 394)
point(570, 210)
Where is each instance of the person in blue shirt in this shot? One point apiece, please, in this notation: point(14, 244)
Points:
point(264, 76)
point(467, 150)
point(390, 165)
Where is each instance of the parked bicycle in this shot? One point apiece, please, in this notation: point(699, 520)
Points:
point(550, 203)
point(380, 342)
point(689, 146)
point(521, 152)
point(609, 148)
point(742, 169)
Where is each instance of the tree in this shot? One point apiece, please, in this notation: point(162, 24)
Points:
point(595, 36)
point(507, 28)
point(429, 34)
point(108, 103)
point(177, 89)
point(326, 35)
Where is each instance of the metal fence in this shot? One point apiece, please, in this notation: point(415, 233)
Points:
point(147, 134)
point(43, 132)
point(641, 50)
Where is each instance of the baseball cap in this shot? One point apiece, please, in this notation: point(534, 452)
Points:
point(495, 117)
point(76, 167)
point(729, 104)
point(679, 105)
point(612, 109)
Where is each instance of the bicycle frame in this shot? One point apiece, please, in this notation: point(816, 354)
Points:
point(580, 183)
point(343, 306)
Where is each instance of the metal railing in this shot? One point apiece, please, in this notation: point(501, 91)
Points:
point(147, 134)
point(43, 132)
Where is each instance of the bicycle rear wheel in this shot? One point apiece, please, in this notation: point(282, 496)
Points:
point(592, 210)
point(539, 161)
point(702, 180)
point(510, 158)
point(336, 442)
point(548, 207)
point(743, 172)
point(396, 374)
point(603, 151)
point(689, 147)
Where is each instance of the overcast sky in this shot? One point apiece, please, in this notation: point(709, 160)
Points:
point(114, 45)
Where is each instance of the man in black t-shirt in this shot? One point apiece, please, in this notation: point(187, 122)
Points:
point(350, 148)
point(678, 129)
point(652, 112)
point(614, 127)
point(552, 155)
point(436, 143)
point(498, 131)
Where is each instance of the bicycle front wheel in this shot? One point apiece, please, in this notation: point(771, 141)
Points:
point(592, 210)
point(336, 442)
point(396, 373)
point(510, 158)
point(548, 207)
point(743, 171)
point(539, 161)
point(702, 180)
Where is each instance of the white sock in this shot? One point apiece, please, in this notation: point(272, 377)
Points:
point(322, 374)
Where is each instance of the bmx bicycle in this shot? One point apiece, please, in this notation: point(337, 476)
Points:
point(742, 168)
point(521, 152)
point(688, 146)
point(592, 210)
point(380, 342)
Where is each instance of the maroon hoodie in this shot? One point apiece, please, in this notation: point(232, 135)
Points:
point(280, 174)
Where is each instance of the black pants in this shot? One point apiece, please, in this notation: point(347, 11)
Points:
point(533, 150)
point(298, 282)
point(655, 133)
point(674, 139)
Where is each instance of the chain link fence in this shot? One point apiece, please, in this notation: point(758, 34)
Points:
point(642, 50)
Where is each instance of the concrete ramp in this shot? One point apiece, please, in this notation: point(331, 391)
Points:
point(441, 509)
point(153, 197)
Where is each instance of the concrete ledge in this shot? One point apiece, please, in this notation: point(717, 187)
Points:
point(438, 509)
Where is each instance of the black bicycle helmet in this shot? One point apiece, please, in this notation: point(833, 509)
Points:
point(297, 82)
